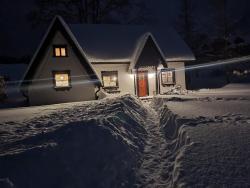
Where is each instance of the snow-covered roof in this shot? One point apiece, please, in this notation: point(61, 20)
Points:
point(117, 43)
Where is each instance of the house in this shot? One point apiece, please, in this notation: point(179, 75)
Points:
point(73, 62)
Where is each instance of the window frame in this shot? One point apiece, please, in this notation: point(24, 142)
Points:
point(110, 73)
point(61, 88)
point(60, 46)
point(173, 76)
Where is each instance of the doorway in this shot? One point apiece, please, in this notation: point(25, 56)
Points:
point(142, 84)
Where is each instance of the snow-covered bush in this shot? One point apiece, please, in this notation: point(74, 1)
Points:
point(176, 90)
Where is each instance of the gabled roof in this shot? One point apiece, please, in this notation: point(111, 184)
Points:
point(58, 24)
point(118, 43)
point(141, 45)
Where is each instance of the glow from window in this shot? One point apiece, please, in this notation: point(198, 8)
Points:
point(60, 52)
point(167, 77)
point(57, 52)
point(63, 52)
point(109, 81)
point(61, 80)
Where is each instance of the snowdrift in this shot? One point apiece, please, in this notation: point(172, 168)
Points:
point(91, 144)
point(205, 151)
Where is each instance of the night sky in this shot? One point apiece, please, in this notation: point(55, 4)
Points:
point(15, 28)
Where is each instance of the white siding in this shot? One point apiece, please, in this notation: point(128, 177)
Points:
point(125, 79)
point(42, 91)
point(179, 76)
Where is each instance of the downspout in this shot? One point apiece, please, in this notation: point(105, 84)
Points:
point(25, 95)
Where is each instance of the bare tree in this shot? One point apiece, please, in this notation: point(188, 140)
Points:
point(186, 22)
point(223, 23)
point(87, 11)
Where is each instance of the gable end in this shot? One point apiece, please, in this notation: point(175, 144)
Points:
point(58, 25)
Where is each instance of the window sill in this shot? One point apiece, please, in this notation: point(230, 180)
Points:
point(60, 56)
point(111, 88)
point(113, 91)
point(63, 88)
point(169, 84)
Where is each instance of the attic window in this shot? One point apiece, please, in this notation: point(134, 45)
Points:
point(61, 79)
point(60, 51)
point(168, 76)
point(110, 79)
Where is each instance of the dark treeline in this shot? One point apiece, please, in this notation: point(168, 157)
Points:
point(215, 29)
point(90, 11)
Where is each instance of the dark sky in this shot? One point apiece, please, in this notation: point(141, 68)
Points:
point(16, 30)
point(14, 12)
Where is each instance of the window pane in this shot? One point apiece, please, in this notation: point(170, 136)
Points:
point(62, 80)
point(170, 76)
point(164, 78)
point(106, 81)
point(57, 52)
point(63, 51)
point(167, 77)
point(109, 79)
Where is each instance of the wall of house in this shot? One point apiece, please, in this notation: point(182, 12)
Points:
point(125, 78)
point(180, 79)
point(42, 91)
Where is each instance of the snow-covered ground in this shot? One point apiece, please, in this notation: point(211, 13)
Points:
point(207, 137)
point(200, 139)
point(88, 144)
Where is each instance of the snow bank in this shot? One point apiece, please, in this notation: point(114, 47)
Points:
point(205, 151)
point(176, 90)
point(89, 144)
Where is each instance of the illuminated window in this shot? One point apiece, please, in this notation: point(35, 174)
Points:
point(110, 79)
point(168, 76)
point(60, 51)
point(61, 79)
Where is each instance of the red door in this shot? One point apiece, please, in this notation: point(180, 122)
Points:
point(142, 84)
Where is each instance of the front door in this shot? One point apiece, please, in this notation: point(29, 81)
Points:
point(142, 83)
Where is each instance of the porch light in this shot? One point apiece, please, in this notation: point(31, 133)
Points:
point(131, 76)
point(151, 75)
point(160, 67)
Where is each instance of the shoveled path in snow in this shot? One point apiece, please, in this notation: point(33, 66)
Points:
point(151, 172)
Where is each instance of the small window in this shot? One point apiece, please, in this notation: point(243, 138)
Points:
point(60, 51)
point(61, 79)
point(110, 79)
point(168, 77)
